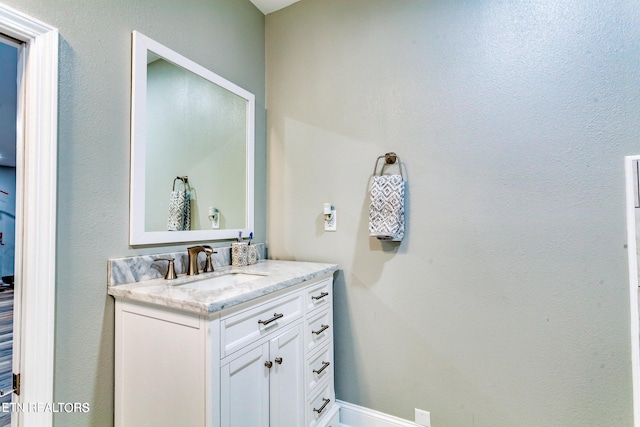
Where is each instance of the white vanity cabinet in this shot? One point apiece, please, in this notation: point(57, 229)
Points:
point(263, 386)
point(265, 362)
point(318, 343)
point(162, 375)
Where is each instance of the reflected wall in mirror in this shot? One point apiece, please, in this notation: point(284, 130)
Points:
point(188, 121)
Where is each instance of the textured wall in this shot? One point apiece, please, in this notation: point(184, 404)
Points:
point(507, 302)
point(226, 36)
point(8, 104)
point(7, 220)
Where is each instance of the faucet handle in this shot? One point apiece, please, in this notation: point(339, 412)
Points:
point(208, 265)
point(171, 270)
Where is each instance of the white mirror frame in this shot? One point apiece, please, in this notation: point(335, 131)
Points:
point(138, 235)
point(632, 253)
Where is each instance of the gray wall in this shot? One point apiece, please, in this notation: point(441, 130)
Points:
point(226, 36)
point(507, 302)
point(7, 220)
point(8, 103)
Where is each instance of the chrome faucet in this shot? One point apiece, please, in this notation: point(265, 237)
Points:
point(193, 259)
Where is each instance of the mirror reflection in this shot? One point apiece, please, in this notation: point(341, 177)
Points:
point(192, 150)
point(197, 129)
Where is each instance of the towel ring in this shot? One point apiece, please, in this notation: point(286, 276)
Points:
point(184, 179)
point(389, 159)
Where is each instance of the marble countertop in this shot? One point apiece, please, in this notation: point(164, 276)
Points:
point(272, 276)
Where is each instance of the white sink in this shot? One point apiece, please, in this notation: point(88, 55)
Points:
point(221, 281)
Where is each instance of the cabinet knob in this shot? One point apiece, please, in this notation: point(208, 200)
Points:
point(278, 360)
point(268, 364)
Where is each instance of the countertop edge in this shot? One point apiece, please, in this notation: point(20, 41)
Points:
point(199, 303)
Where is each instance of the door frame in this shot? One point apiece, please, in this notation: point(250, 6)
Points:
point(632, 254)
point(36, 197)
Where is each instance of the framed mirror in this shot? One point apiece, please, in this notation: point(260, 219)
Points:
point(192, 148)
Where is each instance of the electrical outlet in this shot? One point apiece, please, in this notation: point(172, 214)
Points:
point(331, 224)
point(214, 217)
point(423, 418)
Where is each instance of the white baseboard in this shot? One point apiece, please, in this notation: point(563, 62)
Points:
point(357, 416)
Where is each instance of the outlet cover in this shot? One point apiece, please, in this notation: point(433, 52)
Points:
point(214, 217)
point(423, 418)
point(331, 225)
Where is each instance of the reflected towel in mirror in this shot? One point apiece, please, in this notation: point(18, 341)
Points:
point(179, 211)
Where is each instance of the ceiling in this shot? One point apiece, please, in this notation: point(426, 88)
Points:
point(268, 6)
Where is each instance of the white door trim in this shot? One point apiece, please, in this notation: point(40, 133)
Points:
point(36, 189)
point(633, 284)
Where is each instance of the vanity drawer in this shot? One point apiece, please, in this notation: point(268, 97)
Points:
point(319, 295)
point(245, 327)
point(321, 405)
point(318, 331)
point(319, 367)
point(335, 420)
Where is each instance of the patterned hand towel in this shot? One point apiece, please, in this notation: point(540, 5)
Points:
point(187, 210)
point(179, 218)
point(177, 207)
point(386, 209)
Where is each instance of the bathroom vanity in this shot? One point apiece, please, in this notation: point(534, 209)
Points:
point(249, 346)
point(239, 347)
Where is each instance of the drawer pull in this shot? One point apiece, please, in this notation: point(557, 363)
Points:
point(321, 330)
point(275, 317)
point(324, 405)
point(322, 295)
point(324, 366)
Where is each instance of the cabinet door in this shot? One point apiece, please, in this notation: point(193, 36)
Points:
point(244, 388)
point(286, 351)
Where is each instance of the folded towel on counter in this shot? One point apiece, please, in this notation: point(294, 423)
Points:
point(386, 209)
point(179, 211)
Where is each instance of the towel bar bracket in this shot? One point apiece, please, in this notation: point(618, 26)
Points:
point(184, 179)
point(390, 158)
